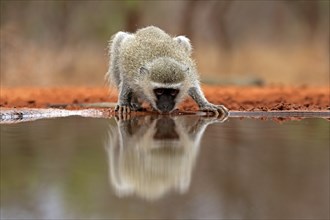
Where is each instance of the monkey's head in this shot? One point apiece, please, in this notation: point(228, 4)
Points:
point(164, 83)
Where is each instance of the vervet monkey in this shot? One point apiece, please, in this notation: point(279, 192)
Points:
point(152, 66)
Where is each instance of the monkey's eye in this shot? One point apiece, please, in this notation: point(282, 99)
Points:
point(174, 92)
point(159, 92)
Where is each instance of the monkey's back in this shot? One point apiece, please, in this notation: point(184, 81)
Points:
point(146, 45)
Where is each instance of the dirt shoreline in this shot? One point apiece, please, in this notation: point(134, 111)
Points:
point(266, 98)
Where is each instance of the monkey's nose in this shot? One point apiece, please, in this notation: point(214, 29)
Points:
point(165, 108)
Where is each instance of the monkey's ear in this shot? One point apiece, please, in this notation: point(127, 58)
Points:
point(186, 69)
point(185, 42)
point(143, 70)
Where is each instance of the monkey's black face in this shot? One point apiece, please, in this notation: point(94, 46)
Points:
point(165, 99)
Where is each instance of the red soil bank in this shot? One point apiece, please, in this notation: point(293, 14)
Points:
point(234, 98)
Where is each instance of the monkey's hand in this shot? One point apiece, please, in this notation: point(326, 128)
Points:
point(218, 110)
point(123, 109)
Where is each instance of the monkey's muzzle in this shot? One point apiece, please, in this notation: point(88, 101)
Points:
point(165, 105)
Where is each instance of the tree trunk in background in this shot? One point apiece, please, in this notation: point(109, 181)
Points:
point(187, 19)
point(218, 22)
point(132, 20)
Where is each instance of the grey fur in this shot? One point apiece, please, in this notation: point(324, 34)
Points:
point(150, 57)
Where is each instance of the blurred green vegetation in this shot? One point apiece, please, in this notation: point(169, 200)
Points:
point(65, 42)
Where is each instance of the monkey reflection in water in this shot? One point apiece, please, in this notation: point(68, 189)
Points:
point(149, 156)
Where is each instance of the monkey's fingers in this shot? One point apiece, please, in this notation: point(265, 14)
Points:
point(210, 109)
point(223, 110)
point(218, 111)
point(123, 109)
point(224, 113)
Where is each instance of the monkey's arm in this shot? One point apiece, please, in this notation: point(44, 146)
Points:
point(204, 105)
point(124, 98)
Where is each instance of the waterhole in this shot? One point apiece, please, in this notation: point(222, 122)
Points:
point(165, 167)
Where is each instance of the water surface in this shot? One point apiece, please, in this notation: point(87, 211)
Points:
point(155, 167)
